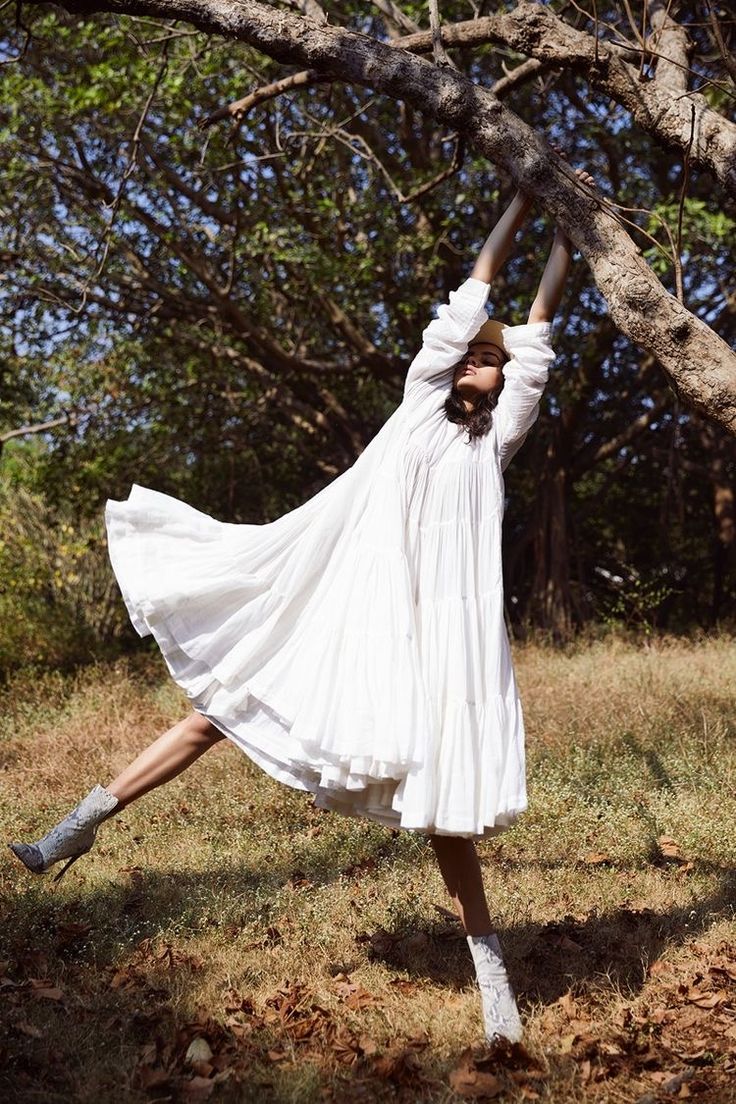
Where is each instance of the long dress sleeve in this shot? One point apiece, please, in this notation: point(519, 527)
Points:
point(446, 338)
point(525, 377)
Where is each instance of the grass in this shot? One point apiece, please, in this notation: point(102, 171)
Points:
point(225, 940)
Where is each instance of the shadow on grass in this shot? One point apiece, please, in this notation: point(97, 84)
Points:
point(545, 959)
point(79, 943)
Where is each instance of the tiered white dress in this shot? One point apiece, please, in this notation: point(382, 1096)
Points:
point(355, 647)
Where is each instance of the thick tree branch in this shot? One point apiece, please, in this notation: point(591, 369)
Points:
point(307, 78)
point(659, 106)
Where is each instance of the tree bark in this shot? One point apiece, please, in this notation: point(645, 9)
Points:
point(671, 43)
point(638, 302)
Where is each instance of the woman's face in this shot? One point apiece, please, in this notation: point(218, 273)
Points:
point(479, 372)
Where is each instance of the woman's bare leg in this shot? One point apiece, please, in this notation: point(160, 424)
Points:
point(166, 757)
point(461, 872)
point(460, 869)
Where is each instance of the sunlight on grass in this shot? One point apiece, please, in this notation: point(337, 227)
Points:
point(310, 953)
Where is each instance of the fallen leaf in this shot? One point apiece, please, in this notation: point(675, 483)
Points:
point(123, 978)
point(471, 1082)
point(72, 933)
point(721, 972)
point(234, 1002)
point(659, 967)
point(146, 1077)
point(346, 1049)
point(43, 991)
point(298, 880)
point(677, 1083)
point(202, 1069)
point(198, 1088)
point(400, 1066)
point(706, 1000)
point(404, 985)
point(670, 850)
point(353, 994)
point(368, 1045)
point(597, 858)
point(199, 1050)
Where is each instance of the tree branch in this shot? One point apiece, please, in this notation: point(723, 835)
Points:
point(238, 109)
point(700, 365)
point(672, 45)
point(534, 30)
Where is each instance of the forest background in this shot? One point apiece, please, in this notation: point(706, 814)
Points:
point(225, 309)
point(216, 291)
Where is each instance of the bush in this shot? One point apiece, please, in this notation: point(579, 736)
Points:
point(59, 600)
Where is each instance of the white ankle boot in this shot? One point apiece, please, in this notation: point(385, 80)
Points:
point(500, 1014)
point(71, 837)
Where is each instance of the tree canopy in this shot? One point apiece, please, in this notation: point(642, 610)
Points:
point(225, 225)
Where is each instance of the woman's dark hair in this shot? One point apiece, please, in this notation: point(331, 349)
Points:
point(477, 421)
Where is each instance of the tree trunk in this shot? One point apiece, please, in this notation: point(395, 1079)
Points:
point(550, 605)
point(721, 453)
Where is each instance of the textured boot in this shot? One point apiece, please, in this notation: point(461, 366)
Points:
point(72, 837)
point(500, 1014)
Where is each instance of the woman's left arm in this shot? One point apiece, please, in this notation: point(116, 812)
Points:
point(530, 350)
point(531, 354)
point(552, 284)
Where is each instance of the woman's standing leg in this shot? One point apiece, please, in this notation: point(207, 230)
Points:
point(461, 873)
point(166, 757)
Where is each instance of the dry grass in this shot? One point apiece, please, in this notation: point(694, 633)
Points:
point(310, 950)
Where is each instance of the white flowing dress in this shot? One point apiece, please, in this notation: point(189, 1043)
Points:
point(355, 647)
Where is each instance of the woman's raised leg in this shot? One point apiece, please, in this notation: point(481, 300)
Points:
point(166, 757)
point(461, 872)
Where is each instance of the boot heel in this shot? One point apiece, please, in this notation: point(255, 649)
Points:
point(73, 859)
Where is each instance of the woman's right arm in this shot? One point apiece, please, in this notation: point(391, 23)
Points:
point(500, 241)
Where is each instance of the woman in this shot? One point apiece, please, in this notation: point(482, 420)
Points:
point(355, 647)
